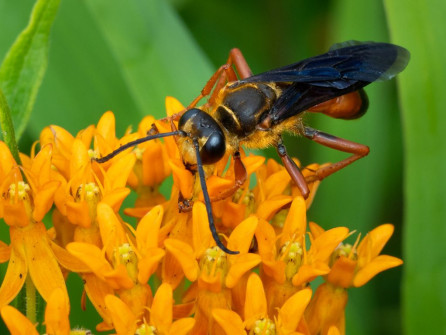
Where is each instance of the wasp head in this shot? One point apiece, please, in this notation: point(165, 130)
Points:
point(199, 125)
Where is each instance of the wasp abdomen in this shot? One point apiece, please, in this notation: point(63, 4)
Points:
point(243, 106)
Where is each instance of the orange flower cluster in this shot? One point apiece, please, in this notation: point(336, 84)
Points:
point(195, 287)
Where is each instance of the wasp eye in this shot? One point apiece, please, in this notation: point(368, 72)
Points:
point(214, 148)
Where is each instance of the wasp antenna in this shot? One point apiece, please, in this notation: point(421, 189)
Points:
point(207, 201)
point(136, 142)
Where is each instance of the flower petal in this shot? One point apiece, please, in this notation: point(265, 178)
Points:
point(67, 260)
point(78, 213)
point(255, 301)
point(5, 252)
point(149, 263)
point(57, 312)
point(184, 254)
point(6, 158)
point(377, 265)
point(17, 270)
point(92, 256)
point(323, 246)
point(97, 290)
point(269, 207)
point(173, 106)
point(201, 234)
point(106, 127)
point(124, 321)
point(182, 178)
point(42, 264)
point(241, 264)
point(44, 200)
point(342, 272)
point(117, 174)
point(148, 229)
point(374, 242)
point(293, 310)
point(296, 221)
point(182, 326)
point(112, 232)
point(229, 321)
point(161, 312)
point(307, 273)
point(241, 236)
point(16, 322)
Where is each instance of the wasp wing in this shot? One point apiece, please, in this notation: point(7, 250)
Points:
point(347, 67)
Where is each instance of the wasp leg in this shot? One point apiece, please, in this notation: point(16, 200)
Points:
point(356, 149)
point(240, 178)
point(237, 59)
point(207, 201)
point(219, 79)
point(293, 171)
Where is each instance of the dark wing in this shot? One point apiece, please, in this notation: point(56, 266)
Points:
point(347, 67)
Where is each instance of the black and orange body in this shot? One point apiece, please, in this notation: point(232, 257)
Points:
point(254, 111)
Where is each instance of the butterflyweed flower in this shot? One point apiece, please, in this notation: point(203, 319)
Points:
point(24, 203)
point(56, 317)
point(257, 320)
point(195, 288)
point(351, 266)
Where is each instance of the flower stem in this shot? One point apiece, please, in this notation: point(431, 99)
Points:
point(31, 300)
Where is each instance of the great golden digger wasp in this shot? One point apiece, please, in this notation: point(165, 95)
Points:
point(255, 110)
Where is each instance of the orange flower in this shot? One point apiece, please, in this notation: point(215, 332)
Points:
point(23, 206)
point(256, 318)
point(352, 266)
point(56, 317)
point(286, 264)
point(216, 272)
point(160, 318)
point(125, 267)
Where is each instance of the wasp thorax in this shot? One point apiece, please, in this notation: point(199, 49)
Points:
point(201, 126)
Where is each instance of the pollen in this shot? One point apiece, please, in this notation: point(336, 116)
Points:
point(214, 259)
point(264, 326)
point(291, 253)
point(92, 154)
point(145, 329)
point(138, 153)
point(127, 256)
point(345, 250)
point(89, 191)
point(19, 190)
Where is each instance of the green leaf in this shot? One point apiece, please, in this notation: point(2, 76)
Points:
point(156, 58)
point(8, 133)
point(22, 70)
point(120, 56)
point(359, 195)
point(419, 26)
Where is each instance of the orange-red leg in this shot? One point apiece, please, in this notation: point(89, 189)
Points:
point(356, 149)
point(240, 175)
point(293, 171)
point(224, 74)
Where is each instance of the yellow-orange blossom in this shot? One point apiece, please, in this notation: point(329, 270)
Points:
point(198, 288)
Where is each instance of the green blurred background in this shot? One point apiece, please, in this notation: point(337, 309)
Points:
point(127, 56)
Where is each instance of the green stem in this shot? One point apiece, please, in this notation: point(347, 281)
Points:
point(31, 300)
point(7, 128)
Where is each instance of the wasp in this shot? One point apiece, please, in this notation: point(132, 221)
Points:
point(254, 111)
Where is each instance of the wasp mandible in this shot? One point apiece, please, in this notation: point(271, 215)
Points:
point(254, 111)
